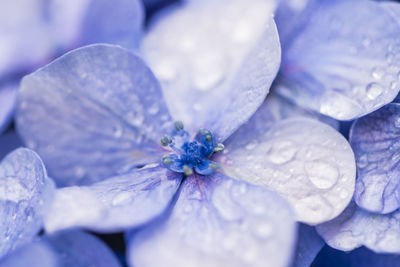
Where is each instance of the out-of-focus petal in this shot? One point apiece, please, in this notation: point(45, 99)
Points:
point(216, 222)
point(361, 257)
point(116, 203)
point(215, 60)
point(306, 161)
point(376, 142)
point(309, 243)
point(8, 95)
point(25, 192)
point(8, 142)
point(356, 227)
point(63, 249)
point(357, 73)
point(94, 112)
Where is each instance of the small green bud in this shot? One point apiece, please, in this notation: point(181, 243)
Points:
point(167, 160)
point(166, 140)
point(219, 148)
point(187, 170)
point(179, 125)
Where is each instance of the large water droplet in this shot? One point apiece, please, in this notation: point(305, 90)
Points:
point(264, 230)
point(322, 174)
point(153, 109)
point(377, 73)
point(373, 90)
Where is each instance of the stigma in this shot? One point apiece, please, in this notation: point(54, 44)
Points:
point(190, 156)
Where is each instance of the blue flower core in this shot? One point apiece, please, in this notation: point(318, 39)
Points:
point(189, 155)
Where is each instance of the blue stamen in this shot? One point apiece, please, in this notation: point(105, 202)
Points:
point(189, 155)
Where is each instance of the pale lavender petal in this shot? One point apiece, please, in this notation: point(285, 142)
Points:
point(306, 161)
point(218, 221)
point(25, 193)
point(356, 227)
point(375, 140)
point(357, 73)
point(8, 95)
point(63, 249)
point(218, 62)
point(309, 243)
point(116, 203)
point(94, 112)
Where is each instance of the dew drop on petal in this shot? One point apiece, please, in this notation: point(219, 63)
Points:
point(373, 90)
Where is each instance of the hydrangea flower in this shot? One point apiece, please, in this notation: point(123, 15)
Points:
point(340, 58)
point(34, 31)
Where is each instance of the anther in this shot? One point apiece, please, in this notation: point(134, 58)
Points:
point(166, 140)
point(214, 166)
point(178, 125)
point(208, 138)
point(187, 170)
point(219, 148)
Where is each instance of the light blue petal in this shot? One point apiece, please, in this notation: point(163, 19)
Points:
point(306, 161)
point(63, 249)
point(94, 112)
point(356, 227)
point(216, 222)
point(116, 203)
point(8, 142)
point(8, 95)
point(216, 61)
point(361, 257)
point(375, 140)
point(25, 192)
point(357, 73)
point(309, 243)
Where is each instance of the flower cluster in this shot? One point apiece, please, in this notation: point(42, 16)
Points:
point(220, 133)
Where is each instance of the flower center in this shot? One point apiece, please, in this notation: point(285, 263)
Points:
point(188, 155)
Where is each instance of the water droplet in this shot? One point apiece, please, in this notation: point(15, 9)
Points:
point(362, 161)
point(197, 107)
point(322, 174)
point(117, 131)
point(377, 73)
point(209, 71)
point(251, 146)
point(79, 171)
point(397, 122)
point(264, 229)
point(366, 42)
point(343, 194)
point(121, 199)
point(373, 90)
point(153, 109)
point(282, 152)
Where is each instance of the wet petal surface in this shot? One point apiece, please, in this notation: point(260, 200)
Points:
point(309, 243)
point(306, 161)
point(356, 227)
point(357, 73)
point(63, 249)
point(375, 140)
point(116, 203)
point(219, 59)
point(25, 192)
point(88, 115)
point(218, 221)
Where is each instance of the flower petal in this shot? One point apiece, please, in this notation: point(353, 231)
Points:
point(306, 161)
point(25, 191)
point(116, 203)
point(357, 73)
point(8, 95)
point(376, 142)
point(361, 257)
point(356, 227)
point(63, 249)
point(218, 221)
point(94, 112)
point(309, 243)
point(218, 62)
